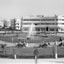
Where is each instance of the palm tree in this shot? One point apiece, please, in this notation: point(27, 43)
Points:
point(3, 47)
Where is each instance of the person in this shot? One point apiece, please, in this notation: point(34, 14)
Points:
point(24, 44)
point(36, 54)
point(19, 41)
point(60, 40)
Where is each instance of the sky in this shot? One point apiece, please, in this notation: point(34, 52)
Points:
point(18, 8)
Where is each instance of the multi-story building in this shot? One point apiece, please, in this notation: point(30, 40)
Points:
point(60, 23)
point(18, 24)
point(42, 23)
point(13, 21)
point(1, 24)
point(7, 24)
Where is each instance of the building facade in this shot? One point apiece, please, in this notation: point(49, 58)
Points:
point(1, 24)
point(13, 21)
point(60, 23)
point(42, 23)
point(18, 24)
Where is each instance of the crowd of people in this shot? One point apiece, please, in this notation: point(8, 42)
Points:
point(24, 43)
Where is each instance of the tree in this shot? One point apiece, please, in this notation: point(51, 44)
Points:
point(3, 47)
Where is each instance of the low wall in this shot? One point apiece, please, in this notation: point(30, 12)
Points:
point(28, 52)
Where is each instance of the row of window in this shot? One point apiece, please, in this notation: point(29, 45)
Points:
point(40, 19)
point(43, 23)
point(61, 19)
point(46, 29)
point(42, 29)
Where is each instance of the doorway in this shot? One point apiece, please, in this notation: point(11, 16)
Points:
point(46, 28)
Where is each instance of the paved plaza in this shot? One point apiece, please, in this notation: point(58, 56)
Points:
point(32, 61)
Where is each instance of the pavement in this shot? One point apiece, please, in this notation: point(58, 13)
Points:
point(32, 61)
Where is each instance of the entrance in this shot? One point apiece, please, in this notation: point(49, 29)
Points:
point(46, 28)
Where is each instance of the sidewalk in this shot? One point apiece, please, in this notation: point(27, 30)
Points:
point(31, 61)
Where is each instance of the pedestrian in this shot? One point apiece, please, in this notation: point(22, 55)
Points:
point(36, 54)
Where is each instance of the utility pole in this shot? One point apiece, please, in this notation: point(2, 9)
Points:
point(12, 36)
point(55, 50)
point(14, 53)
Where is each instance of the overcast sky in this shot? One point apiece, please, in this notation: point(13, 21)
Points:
point(18, 8)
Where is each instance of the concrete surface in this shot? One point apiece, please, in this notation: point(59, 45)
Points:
point(31, 61)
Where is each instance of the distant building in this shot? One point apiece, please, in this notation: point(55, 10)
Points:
point(13, 21)
point(8, 23)
point(18, 24)
point(1, 24)
point(61, 23)
point(42, 23)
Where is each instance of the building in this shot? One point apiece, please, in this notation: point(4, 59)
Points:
point(7, 24)
point(42, 23)
point(1, 24)
point(60, 23)
point(18, 24)
point(13, 21)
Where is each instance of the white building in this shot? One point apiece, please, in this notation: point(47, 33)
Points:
point(42, 23)
point(61, 23)
point(1, 23)
point(18, 24)
point(8, 23)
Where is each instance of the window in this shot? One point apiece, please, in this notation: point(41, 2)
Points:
point(42, 29)
point(26, 28)
point(25, 19)
point(37, 29)
point(47, 19)
point(51, 29)
point(61, 23)
point(42, 23)
point(56, 29)
point(61, 19)
point(37, 23)
point(40, 19)
point(34, 19)
point(52, 23)
point(17, 23)
point(31, 19)
point(26, 23)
